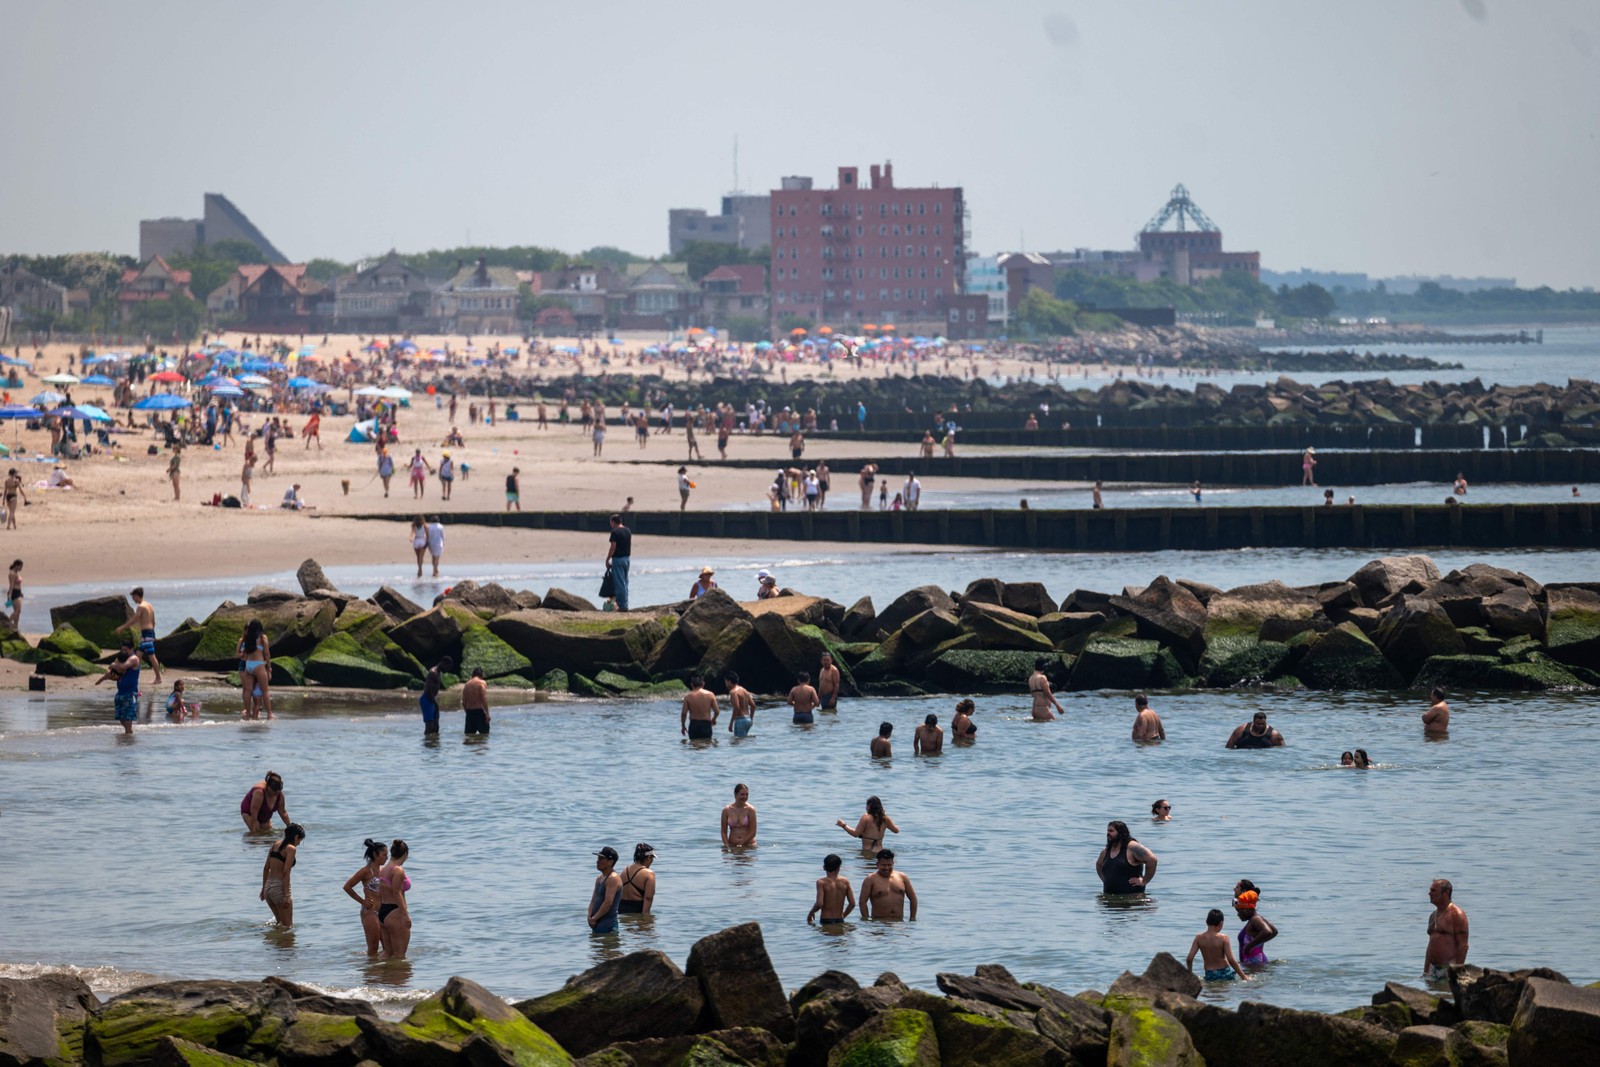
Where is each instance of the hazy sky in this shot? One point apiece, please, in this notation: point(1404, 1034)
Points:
point(1390, 136)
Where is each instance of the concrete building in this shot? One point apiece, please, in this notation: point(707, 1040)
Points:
point(745, 221)
point(985, 277)
point(221, 221)
point(389, 296)
point(478, 299)
point(873, 253)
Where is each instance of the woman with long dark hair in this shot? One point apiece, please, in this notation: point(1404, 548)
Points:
point(275, 887)
point(870, 827)
point(255, 672)
point(377, 855)
point(394, 918)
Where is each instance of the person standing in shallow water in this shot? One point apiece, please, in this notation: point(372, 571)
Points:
point(1043, 698)
point(739, 820)
point(1447, 932)
point(639, 882)
point(742, 706)
point(606, 900)
point(124, 670)
point(869, 829)
point(1146, 723)
point(1436, 720)
point(886, 892)
point(377, 855)
point(835, 899)
point(698, 718)
point(963, 731)
point(394, 915)
point(275, 884)
point(1256, 931)
point(1125, 867)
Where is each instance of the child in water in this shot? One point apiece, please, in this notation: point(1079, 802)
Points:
point(1216, 951)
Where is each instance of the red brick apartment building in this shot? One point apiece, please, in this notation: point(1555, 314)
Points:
point(867, 254)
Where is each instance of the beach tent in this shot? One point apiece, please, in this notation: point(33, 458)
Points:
point(362, 433)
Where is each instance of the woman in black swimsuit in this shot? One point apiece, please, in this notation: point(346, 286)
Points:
point(639, 882)
point(14, 592)
point(275, 888)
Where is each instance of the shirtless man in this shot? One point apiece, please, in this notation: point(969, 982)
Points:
point(803, 699)
point(1043, 698)
point(1436, 720)
point(881, 749)
point(700, 711)
point(885, 891)
point(1447, 932)
point(835, 898)
point(1146, 724)
point(475, 702)
point(828, 684)
point(1255, 734)
point(929, 738)
point(144, 616)
point(742, 706)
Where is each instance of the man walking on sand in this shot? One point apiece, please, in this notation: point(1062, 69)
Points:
point(886, 892)
point(619, 554)
point(144, 616)
point(1447, 932)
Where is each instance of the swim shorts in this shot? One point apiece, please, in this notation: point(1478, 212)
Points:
point(830, 702)
point(430, 708)
point(477, 721)
point(803, 718)
point(513, 498)
point(1221, 974)
point(147, 642)
point(127, 707)
point(741, 726)
point(1436, 972)
point(699, 729)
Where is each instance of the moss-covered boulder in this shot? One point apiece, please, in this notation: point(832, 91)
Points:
point(637, 996)
point(292, 627)
point(1251, 665)
point(1143, 1035)
point(175, 1052)
point(318, 1040)
point(1574, 629)
point(740, 984)
point(994, 1041)
point(1001, 629)
point(1345, 658)
point(480, 648)
point(1478, 641)
point(1413, 631)
point(575, 640)
point(583, 686)
point(1127, 663)
point(65, 640)
point(895, 1038)
point(1266, 1034)
point(362, 619)
point(340, 661)
point(1457, 672)
point(435, 633)
point(617, 683)
point(463, 1023)
point(554, 681)
point(95, 619)
point(708, 616)
point(1233, 618)
point(1537, 673)
point(53, 663)
point(971, 670)
point(237, 1018)
point(176, 648)
point(287, 670)
point(42, 1019)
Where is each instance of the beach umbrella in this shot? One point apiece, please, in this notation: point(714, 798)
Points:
point(763, 345)
point(302, 382)
point(167, 376)
point(374, 346)
point(263, 364)
point(509, 350)
point(82, 411)
point(18, 411)
point(223, 389)
point(99, 379)
point(12, 361)
point(395, 392)
point(162, 402)
point(254, 379)
point(369, 390)
point(407, 346)
point(616, 340)
point(308, 350)
point(61, 379)
point(798, 331)
point(695, 330)
point(47, 398)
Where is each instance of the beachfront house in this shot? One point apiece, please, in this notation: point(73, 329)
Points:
point(592, 295)
point(388, 296)
point(734, 291)
point(28, 295)
point(151, 281)
point(478, 298)
point(659, 296)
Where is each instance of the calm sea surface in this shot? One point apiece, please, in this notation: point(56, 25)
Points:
point(128, 859)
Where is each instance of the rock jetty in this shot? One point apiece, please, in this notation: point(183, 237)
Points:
point(727, 1008)
point(1395, 623)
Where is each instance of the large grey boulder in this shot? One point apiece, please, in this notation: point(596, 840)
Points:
point(312, 578)
point(708, 616)
point(1414, 630)
point(637, 996)
point(1555, 1023)
point(741, 986)
point(95, 619)
point(913, 602)
point(1388, 575)
point(41, 1019)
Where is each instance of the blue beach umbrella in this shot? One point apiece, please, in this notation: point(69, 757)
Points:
point(47, 398)
point(13, 361)
point(160, 402)
point(302, 382)
point(18, 411)
point(82, 411)
point(226, 390)
point(98, 379)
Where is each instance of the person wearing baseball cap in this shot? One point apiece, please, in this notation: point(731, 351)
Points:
point(607, 898)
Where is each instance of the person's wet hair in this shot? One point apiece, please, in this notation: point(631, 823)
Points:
point(399, 850)
point(831, 863)
point(697, 681)
point(1438, 692)
point(373, 848)
point(885, 854)
point(294, 833)
point(1214, 917)
point(885, 729)
point(931, 720)
point(137, 591)
point(1141, 701)
point(274, 781)
point(642, 852)
point(738, 787)
point(1041, 663)
point(966, 707)
point(1362, 759)
point(732, 677)
point(252, 636)
point(875, 809)
point(803, 677)
point(1124, 835)
point(1155, 809)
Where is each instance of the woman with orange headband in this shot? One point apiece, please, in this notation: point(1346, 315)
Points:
point(1256, 930)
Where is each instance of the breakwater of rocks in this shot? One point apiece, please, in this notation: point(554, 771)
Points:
point(728, 1008)
point(1395, 623)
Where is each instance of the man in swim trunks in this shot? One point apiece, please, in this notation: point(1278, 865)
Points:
point(1447, 932)
point(144, 617)
point(430, 695)
point(742, 705)
point(803, 699)
point(475, 702)
point(929, 738)
point(124, 670)
point(835, 898)
point(828, 684)
point(1216, 951)
point(1146, 723)
point(885, 892)
point(1043, 698)
point(700, 711)
point(1255, 734)
point(881, 746)
point(1436, 720)
point(606, 901)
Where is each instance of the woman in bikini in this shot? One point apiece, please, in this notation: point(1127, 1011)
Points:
point(963, 731)
point(1043, 698)
point(419, 540)
point(870, 827)
point(394, 918)
point(639, 882)
point(14, 591)
point(739, 820)
point(275, 889)
point(262, 801)
point(367, 879)
point(255, 675)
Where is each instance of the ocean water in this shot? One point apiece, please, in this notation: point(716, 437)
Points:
point(127, 859)
point(840, 576)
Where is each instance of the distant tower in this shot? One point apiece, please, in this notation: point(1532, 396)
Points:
point(1192, 250)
